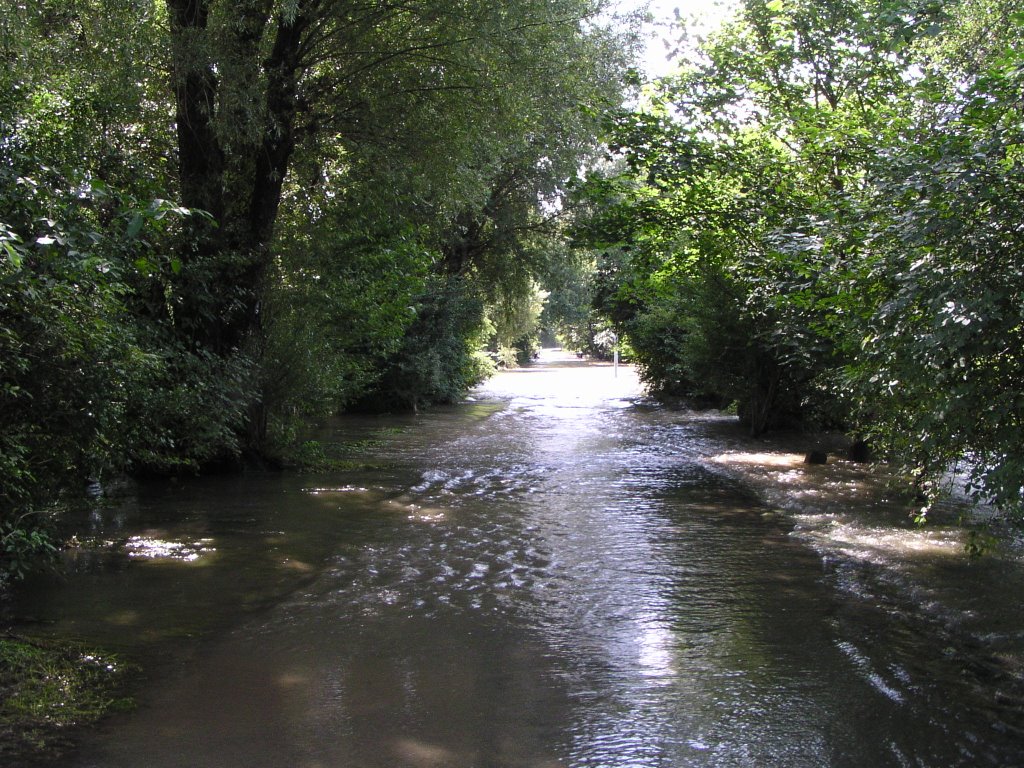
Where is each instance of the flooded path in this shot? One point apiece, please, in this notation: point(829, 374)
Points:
point(557, 573)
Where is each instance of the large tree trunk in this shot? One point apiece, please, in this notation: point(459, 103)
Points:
point(232, 166)
point(282, 68)
point(200, 158)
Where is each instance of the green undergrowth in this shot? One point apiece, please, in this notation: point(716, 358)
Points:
point(48, 690)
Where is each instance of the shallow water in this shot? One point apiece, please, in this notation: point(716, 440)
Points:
point(557, 573)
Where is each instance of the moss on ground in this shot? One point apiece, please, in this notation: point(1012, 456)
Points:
point(48, 691)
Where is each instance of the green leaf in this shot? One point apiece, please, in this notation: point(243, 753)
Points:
point(134, 226)
point(12, 254)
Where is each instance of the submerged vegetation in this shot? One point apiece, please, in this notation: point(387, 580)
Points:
point(45, 690)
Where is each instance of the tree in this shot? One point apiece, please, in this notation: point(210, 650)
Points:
point(820, 217)
point(937, 376)
point(349, 187)
point(568, 316)
point(484, 102)
point(737, 170)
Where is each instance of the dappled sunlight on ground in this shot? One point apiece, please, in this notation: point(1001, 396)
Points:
point(869, 542)
point(298, 566)
point(340, 489)
point(419, 753)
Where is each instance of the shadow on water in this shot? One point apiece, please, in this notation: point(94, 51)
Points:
point(183, 561)
point(552, 574)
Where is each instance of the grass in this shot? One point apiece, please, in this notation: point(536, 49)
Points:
point(47, 690)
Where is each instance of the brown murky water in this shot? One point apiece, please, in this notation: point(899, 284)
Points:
point(554, 574)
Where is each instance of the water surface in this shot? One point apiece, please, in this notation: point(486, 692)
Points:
point(555, 573)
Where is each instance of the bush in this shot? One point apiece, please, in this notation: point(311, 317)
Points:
point(438, 361)
point(25, 543)
point(67, 353)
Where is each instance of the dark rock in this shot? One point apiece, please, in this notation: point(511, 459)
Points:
point(816, 457)
point(859, 451)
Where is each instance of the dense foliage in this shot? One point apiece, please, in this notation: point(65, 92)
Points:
point(818, 219)
point(221, 221)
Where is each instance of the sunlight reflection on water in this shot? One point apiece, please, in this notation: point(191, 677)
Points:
point(153, 548)
point(562, 573)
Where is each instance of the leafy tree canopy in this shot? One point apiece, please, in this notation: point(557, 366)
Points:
point(816, 219)
point(220, 220)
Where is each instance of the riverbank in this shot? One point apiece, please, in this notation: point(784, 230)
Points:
point(860, 519)
point(776, 469)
